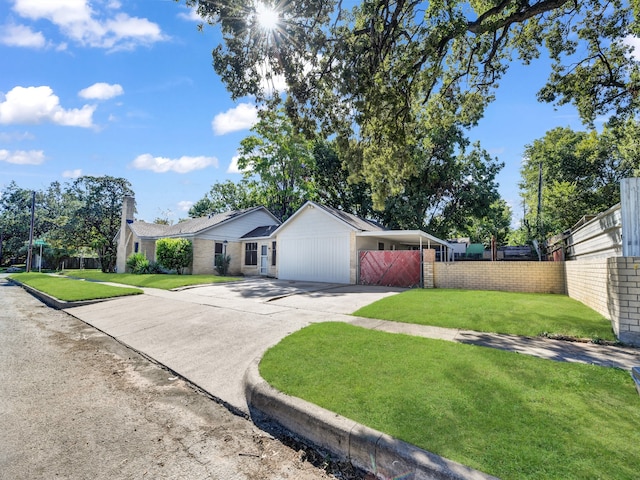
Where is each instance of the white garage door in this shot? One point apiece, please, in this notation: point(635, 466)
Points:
point(314, 259)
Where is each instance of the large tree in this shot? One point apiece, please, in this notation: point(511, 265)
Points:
point(371, 73)
point(573, 174)
point(223, 197)
point(335, 186)
point(454, 185)
point(15, 221)
point(496, 223)
point(95, 215)
point(277, 162)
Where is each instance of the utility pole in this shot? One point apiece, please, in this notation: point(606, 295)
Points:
point(539, 232)
point(30, 251)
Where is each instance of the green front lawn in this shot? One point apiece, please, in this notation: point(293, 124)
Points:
point(527, 314)
point(164, 282)
point(70, 290)
point(509, 415)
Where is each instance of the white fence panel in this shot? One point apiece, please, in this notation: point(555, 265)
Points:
point(600, 237)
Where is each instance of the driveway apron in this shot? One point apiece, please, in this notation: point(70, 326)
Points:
point(211, 334)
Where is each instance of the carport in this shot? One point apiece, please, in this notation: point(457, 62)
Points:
point(395, 257)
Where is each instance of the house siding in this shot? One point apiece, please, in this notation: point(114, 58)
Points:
point(237, 227)
point(316, 247)
point(371, 243)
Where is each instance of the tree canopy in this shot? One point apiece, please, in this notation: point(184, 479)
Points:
point(580, 173)
point(83, 214)
point(375, 74)
point(277, 161)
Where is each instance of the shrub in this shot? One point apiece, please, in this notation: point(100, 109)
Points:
point(174, 253)
point(156, 267)
point(137, 263)
point(222, 264)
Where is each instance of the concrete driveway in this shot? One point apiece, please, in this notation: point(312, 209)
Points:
point(211, 334)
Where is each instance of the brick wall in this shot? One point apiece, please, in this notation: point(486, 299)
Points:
point(203, 257)
point(624, 298)
point(534, 277)
point(587, 282)
point(428, 262)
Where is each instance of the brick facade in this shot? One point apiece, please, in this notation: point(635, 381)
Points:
point(624, 298)
point(611, 286)
point(587, 282)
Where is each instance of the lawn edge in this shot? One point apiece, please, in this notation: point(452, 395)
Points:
point(54, 302)
point(365, 448)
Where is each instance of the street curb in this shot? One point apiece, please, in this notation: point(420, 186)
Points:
point(635, 374)
point(365, 448)
point(52, 301)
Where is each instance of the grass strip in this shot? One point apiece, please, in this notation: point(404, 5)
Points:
point(509, 415)
point(527, 314)
point(69, 290)
point(161, 281)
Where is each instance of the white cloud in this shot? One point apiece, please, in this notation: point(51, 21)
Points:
point(72, 173)
point(242, 117)
point(34, 105)
point(180, 165)
point(233, 166)
point(77, 20)
point(634, 42)
point(191, 15)
point(101, 91)
point(185, 205)
point(22, 157)
point(21, 36)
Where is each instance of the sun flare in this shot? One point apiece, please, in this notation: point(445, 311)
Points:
point(268, 16)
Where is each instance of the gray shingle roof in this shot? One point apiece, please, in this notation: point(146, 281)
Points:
point(261, 231)
point(353, 220)
point(188, 227)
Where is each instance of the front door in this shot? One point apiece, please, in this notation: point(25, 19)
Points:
point(263, 260)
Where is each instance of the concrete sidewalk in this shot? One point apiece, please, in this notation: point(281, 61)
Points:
point(558, 350)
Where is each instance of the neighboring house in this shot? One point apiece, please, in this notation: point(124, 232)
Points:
point(317, 243)
point(212, 236)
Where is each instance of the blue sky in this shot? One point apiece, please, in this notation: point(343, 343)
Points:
point(103, 87)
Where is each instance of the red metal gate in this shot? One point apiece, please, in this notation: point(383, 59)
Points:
point(390, 268)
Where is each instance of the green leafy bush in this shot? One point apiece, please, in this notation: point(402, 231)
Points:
point(156, 267)
point(174, 253)
point(137, 263)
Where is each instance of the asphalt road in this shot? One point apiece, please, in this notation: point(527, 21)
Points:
point(76, 404)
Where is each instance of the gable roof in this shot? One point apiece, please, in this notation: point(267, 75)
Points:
point(352, 221)
point(259, 232)
point(192, 226)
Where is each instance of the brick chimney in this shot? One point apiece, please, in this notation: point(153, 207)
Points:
point(128, 209)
